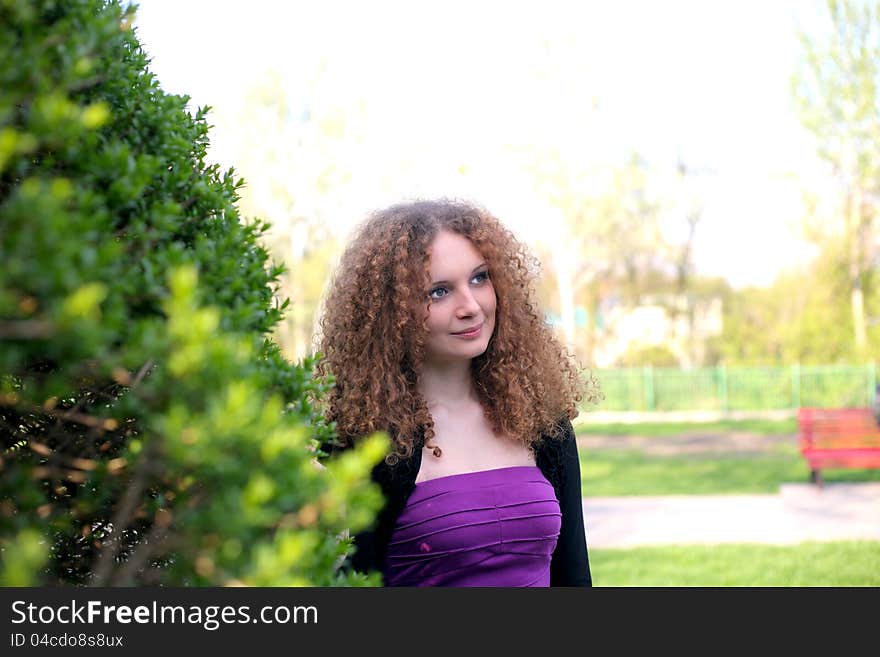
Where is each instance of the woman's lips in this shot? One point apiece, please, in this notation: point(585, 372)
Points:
point(470, 334)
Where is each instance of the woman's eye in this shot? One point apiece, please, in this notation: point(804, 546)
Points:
point(440, 292)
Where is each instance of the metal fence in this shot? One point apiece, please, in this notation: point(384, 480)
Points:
point(736, 388)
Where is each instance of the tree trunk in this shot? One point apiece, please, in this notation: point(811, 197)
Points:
point(562, 263)
point(857, 297)
point(858, 311)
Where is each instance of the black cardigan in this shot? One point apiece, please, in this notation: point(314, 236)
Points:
point(558, 461)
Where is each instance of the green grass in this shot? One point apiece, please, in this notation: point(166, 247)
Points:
point(843, 563)
point(612, 472)
point(761, 427)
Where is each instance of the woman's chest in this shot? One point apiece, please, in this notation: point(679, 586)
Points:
point(470, 445)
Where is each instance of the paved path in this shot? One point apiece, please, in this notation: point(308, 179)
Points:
point(800, 512)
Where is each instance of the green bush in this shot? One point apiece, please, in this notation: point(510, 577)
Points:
point(147, 437)
point(653, 355)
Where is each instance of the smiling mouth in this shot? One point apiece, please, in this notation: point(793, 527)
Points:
point(470, 331)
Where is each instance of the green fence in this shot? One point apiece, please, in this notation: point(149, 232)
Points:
point(736, 388)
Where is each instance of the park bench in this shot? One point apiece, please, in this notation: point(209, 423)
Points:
point(838, 438)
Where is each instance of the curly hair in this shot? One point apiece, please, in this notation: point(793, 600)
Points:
point(372, 339)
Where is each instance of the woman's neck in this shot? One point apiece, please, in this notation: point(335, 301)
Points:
point(448, 385)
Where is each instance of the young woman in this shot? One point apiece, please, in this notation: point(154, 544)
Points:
point(432, 333)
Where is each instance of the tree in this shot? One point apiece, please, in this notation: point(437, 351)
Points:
point(802, 318)
point(293, 145)
point(682, 303)
point(612, 245)
point(626, 238)
point(837, 93)
point(147, 437)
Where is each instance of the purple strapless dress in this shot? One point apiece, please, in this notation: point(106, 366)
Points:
point(488, 528)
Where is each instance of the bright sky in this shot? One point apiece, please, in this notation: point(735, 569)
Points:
point(451, 86)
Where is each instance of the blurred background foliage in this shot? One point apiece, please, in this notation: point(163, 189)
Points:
point(152, 430)
point(620, 280)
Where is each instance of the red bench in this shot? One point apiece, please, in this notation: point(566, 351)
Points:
point(838, 438)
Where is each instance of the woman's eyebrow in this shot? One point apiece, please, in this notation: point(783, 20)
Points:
point(482, 264)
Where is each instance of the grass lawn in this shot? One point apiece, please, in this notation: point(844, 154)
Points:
point(760, 427)
point(844, 563)
point(612, 471)
point(709, 460)
point(606, 472)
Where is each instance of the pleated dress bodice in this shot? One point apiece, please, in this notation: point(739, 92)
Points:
point(488, 528)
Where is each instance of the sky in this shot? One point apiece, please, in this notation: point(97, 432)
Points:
point(450, 93)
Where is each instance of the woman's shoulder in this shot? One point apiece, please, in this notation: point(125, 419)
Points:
point(554, 450)
point(556, 438)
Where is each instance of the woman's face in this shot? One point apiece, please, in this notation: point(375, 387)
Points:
point(462, 299)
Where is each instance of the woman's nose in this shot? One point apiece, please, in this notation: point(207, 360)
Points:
point(468, 304)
